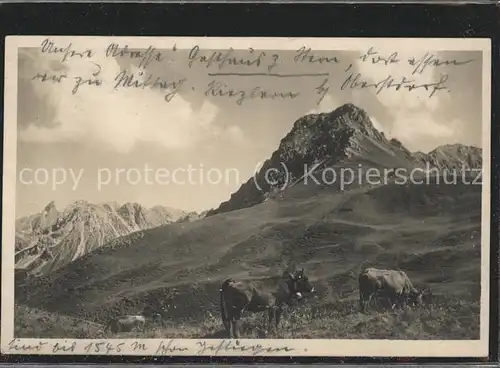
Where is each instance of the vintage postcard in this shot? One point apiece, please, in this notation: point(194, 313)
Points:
point(246, 196)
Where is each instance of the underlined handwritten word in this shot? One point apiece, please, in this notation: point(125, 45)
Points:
point(67, 52)
point(220, 89)
point(221, 59)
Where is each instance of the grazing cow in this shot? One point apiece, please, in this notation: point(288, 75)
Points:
point(156, 315)
point(126, 323)
point(391, 284)
point(237, 297)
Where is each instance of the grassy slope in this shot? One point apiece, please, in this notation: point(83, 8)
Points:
point(32, 322)
point(432, 232)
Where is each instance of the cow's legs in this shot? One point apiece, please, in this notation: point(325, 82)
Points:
point(361, 303)
point(236, 328)
point(229, 325)
point(271, 312)
point(377, 300)
point(226, 321)
point(370, 301)
point(235, 322)
point(364, 301)
point(279, 313)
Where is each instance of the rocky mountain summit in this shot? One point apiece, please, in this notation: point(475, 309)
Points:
point(343, 137)
point(50, 239)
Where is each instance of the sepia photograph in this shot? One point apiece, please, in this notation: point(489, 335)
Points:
point(246, 196)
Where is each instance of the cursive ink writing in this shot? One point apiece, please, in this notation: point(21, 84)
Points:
point(15, 345)
point(355, 81)
point(304, 55)
point(322, 90)
point(219, 89)
point(138, 346)
point(146, 56)
point(103, 347)
point(430, 60)
point(92, 81)
point(126, 79)
point(236, 346)
point(68, 52)
point(221, 59)
point(376, 58)
point(275, 61)
point(169, 347)
point(55, 78)
point(65, 348)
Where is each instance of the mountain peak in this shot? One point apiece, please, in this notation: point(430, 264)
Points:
point(453, 156)
point(345, 133)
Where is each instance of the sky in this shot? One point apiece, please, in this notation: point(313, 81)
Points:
point(111, 144)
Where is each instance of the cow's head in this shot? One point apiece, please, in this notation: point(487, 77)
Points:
point(415, 297)
point(157, 317)
point(301, 284)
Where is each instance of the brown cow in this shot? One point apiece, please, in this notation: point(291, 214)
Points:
point(237, 297)
point(391, 284)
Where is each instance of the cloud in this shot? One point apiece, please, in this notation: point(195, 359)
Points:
point(328, 104)
point(416, 116)
point(377, 124)
point(116, 118)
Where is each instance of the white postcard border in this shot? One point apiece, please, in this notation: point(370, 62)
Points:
point(301, 347)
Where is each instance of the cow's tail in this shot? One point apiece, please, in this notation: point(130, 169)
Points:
point(111, 326)
point(362, 281)
point(224, 314)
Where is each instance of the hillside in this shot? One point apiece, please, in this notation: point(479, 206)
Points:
point(431, 230)
point(51, 239)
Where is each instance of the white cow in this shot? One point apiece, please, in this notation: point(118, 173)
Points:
point(126, 323)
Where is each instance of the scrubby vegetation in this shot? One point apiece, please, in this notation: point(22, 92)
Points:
point(446, 317)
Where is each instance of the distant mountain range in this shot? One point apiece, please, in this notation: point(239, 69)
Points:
point(50, 239)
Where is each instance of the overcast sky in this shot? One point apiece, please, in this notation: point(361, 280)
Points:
point(106, 129)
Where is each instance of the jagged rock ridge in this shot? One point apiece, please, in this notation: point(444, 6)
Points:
point(51, 239)
point(339, 138)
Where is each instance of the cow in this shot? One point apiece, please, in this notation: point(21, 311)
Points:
point(157, 315)
point(238, 296)
point(126, 323)
point(391, 284)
